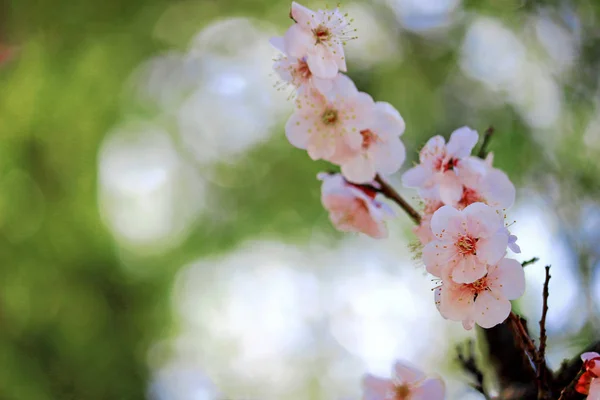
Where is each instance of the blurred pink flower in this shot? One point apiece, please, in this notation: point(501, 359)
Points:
point(353, 208)
point(465, 242)
point(440, 163)
point(588, 383)
point(485, 301)
point(319, 36)
point(325, 126)
point(407, 383)
point(381, 150)
point(295, 71)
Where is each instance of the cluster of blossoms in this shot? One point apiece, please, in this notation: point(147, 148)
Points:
point(462, 229)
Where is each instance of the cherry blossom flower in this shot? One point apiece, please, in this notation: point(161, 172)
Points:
point(407, 383)
point(588, 383)
point(440, 163)
point(319, 36)
point(381, 151)
point(295, 71)
point(477, 182)
point(353, 208)
point(485, 301)
point(465, 242)
point(323, 125)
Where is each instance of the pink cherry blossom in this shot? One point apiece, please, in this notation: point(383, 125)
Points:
point(589, 382)
point(319, 36)
point(322, 125)
point(353, 208)
point(440, 163)
point(486, 301)
point(465, 242)
point(477, 181)
point(295, 71)
point(407, 383)
point(381, 151)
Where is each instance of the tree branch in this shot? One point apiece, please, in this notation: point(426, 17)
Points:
point(530, 261)
point(388, 191)
point(543, 374)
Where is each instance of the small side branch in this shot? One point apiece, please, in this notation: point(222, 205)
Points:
point(466, 358)
point(388, 191)
point(530, 261)
point(486, 141)
point(569, 392)
point(522, 336)
point(542, 371)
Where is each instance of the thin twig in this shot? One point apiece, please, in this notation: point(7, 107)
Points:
point(467, 361)
point(486, 141)
point(542, 372)
point(388, 191)
point(530, 261)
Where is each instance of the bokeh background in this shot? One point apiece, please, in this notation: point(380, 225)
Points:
point(160, 239)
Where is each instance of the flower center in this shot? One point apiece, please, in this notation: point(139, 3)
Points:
point(401, 392)
point(466, 245)
point(329, 116)
point(442, 164)
point(303, 71)
point(368, 138)
point(469, 196)
point(321, 33)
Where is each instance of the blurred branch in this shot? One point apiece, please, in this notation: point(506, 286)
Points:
point(466, 358)
point(486, 141)
point(530, 261)
point(388, 191)
point(569, 392)
point(543, 374)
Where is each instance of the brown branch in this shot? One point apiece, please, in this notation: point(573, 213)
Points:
point(466, 358)
point(530, 261)
point(542, 372)
point(522, 336)
point(486, 141)
point(388, 191)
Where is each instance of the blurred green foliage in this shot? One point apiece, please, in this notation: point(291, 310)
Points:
point(76, 324)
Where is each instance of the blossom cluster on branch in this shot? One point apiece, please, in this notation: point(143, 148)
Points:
point(464, 240)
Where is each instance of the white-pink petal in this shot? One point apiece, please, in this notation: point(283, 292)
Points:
point(491, 309)
point(447, 221)
point(508, 278)
point(321, 63)
point(430, 389)
point(451, 188)
point(296, 130)
point(359, 169)
point(388, 157)
point(482, 220)
point(438, 255)
point(303, 16)
point(594, 390)
point(407, 373)
point(491, 250)
point(462, 142)
point(468, 269)
point(416, 177)
point(278, 43)
point(297, 41)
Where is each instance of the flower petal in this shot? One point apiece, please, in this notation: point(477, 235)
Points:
point(430, 389)
point(508, 278)
point(446, 221)
point(297, 41)
point(437, 255)
point(451, 188)
point(407, 373)
point(302, 15)
point(497, 189)
point(296, 130)
point(456, 301)
point(468, 269)
point(433, 149)
point(492, 249)
point(359, 169)
point(594, 390)
point(482, 220)
point(376, 388)
point(462, 142)
point(389, 156)
point(416, 177)
point(490, 309)
point(321, 63)
point(322, 85)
